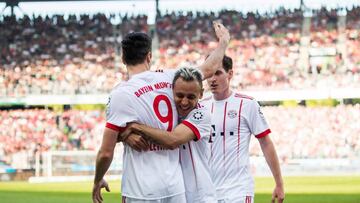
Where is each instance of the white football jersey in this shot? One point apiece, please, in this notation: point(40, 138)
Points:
point(147, 98)
point(195, 158)
point(234, 120)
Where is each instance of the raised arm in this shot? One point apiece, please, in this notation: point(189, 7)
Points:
point(214, 60)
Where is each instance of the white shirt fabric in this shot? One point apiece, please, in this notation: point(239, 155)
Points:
point(195, 158)
point(234, 120)
point(147, 98)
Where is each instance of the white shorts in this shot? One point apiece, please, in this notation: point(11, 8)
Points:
point(241, 199)
point(173, 199)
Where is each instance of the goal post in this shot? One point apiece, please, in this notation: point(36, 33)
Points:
point(59, 166)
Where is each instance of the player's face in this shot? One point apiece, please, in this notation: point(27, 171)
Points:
point(186, 95)
point(219, 82)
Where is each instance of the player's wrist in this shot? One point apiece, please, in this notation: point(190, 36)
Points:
point(97, 181)
point(279, 184)
point(137, 128)
point(224, 42)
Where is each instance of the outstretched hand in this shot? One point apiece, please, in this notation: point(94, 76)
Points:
point(96, 192)
point(221, 32)
point(278, 194)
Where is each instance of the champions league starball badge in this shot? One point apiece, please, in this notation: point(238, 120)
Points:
point(198, 116)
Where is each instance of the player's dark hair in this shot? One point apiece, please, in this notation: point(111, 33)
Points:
point(227, 63)
point(188, 74)
point(135, 47)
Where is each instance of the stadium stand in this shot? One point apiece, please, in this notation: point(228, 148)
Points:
point(54, 55)
point(327, 134)
point(77, 55)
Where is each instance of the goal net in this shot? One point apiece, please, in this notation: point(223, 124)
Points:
point(62, 166)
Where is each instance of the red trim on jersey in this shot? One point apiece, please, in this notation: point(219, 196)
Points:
point(115, 127)
point(243, 96)
point(224, 128)
point(238, 144)
point(192, 128)
point(248, 199)
point(263, 134)
point(211, 144)
point(192, 162)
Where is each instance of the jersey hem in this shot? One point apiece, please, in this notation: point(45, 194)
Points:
point(115, 127)
point(154, 198)
point(263, 134)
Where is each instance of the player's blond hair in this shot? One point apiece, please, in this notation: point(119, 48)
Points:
point(188, 74)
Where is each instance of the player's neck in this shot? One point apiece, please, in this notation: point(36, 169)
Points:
point(223, 95)
point(136, 69)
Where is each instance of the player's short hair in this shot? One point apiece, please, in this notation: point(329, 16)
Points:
point(227, 63)
point(188, 74)
point(135, 47)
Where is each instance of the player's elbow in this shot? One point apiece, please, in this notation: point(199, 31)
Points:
point(105, 155)
point(171, 145)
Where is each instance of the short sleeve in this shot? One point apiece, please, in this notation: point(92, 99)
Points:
point(257, 122)
point(199, 121)
point(120, 110)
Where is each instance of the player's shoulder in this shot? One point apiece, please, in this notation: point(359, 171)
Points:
point(201, 106)
point(121, 90)
point(242, 96)
point(245, 100)
point(121, 86)
point(166, 75)
point(206, 98)
point(200, 114)
point(163, 71)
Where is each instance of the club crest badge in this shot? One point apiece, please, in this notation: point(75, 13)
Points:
point(232, 114)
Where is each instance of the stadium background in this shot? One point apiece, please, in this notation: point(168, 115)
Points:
point(301, 61)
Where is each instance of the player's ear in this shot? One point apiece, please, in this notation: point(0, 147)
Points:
point(148, 57)
point(201, 93)
point(122, 58)
point(230, 74)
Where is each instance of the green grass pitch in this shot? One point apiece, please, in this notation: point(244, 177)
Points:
point(345, 189)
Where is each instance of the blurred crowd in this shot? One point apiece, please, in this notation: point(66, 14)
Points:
point(267, 48)
point(298, 132)
point(54, 55)
point(26, 132)
point(313, 132)
point(80, 54)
